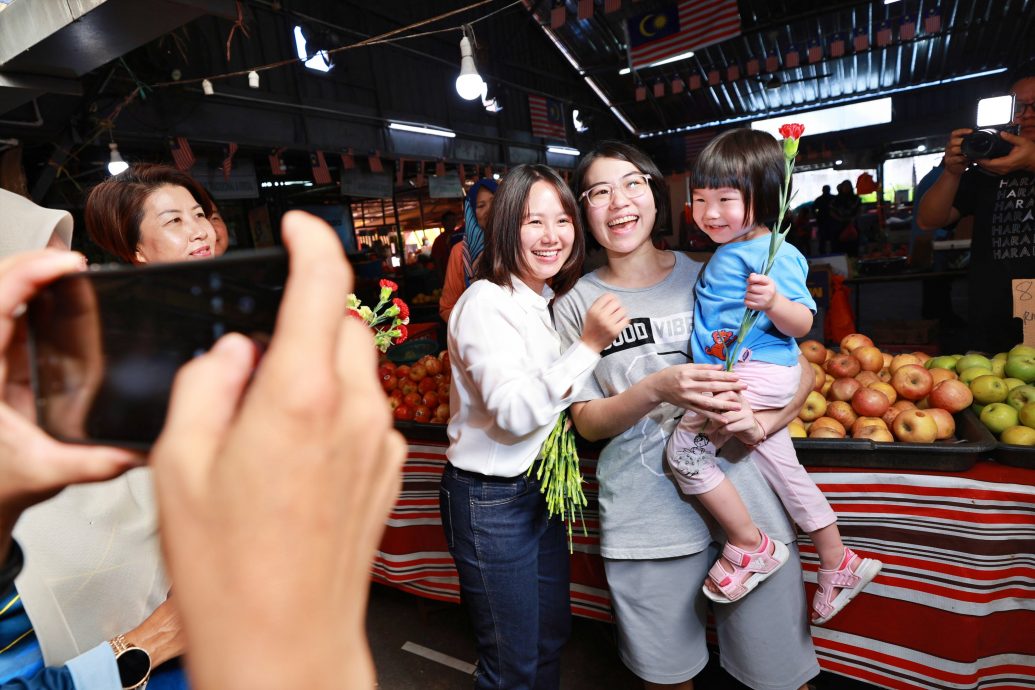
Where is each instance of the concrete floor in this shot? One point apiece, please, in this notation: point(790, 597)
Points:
point(590, 658)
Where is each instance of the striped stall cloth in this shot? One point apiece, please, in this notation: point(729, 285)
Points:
point(413, 555)
point(953, 608)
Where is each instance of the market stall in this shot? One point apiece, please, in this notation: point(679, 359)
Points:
point(953, 607)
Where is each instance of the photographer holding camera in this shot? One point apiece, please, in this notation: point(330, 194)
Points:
point(999, 192)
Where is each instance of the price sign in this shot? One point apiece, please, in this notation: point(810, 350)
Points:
point(1024, 307)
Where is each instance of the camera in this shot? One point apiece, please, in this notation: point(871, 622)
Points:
point(986, 143)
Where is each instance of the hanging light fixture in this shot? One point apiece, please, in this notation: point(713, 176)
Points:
point(116, 165)
point(469, 84)
point(253, 79)
point(206, 87)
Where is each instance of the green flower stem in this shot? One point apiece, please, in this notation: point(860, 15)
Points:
point(560, 477)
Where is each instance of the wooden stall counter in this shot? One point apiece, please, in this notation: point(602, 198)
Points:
point(954, 606)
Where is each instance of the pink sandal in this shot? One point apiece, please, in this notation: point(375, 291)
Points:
point(750, 569)
point(850, 581)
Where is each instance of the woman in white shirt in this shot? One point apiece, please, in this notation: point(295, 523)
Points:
point(510, 382)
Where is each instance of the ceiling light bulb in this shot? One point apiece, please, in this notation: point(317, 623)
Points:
point(253, 79)
point(921, 147)
point(116, 165)
point(469, 84)
point(206, 87)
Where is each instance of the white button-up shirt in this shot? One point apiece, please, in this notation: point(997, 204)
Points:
point(510, 380)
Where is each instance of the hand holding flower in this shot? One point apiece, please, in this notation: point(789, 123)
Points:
point(761, 292)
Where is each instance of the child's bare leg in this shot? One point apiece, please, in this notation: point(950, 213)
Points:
point(829, 546)
point(725, 505)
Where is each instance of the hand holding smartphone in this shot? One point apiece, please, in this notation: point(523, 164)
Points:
point(105, 344)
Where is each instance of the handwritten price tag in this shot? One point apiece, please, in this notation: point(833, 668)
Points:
point(1024, 307)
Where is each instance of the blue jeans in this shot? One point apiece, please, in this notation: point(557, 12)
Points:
point(514, 576)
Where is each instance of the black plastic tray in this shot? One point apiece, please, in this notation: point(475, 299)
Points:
point(1016, 456)
point(973, 441)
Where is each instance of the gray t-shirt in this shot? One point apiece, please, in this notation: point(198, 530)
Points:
point(643, 515)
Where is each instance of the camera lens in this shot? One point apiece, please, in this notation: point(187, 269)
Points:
point(984, 143)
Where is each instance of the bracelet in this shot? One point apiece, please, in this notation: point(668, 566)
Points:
point(761, 430)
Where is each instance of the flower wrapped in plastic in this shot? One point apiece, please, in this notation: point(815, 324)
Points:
point(388, 318)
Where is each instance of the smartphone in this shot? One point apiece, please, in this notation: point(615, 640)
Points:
point(105, 344)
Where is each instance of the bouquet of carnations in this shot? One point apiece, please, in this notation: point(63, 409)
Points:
point(388, 318)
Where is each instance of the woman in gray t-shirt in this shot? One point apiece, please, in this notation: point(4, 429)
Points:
point(657, 544)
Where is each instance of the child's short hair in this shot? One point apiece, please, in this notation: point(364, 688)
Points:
point(750, 161)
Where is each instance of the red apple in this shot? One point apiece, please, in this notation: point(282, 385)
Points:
point(938, 375)
point(867, 377)
point(886, 389)
point(820, 376)
point(430, 399)
point(899, 361)
point(402, 371)
point(442, 411)
point(828, 381)
point(403, 412)
point(426, 384)
point(868, 402)
point(951, 395)
point(844, 389)
point(412, 399)
point(894, 410)
point(870, 358)
point(418, 372)
point(815, 407)
point(433, 365)
point(842, 365)
point(827, 423)
point(389, 381)
point(814, 351)
point(945, 421)
point(912, 381)
point(884, 375)
point(875, 433)
point(825, 432)
point(842, 411)
point(922, 356)
point(387, 364)
point(915, 426)
point(422, 414)
point(887, 359)
point(407, 385)
point(854, 340)
point(863, 422)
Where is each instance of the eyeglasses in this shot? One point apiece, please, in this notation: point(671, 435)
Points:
point(633, 185)
point(1020, 106)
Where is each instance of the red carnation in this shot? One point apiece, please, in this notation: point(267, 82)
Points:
point(404, 311)
point(792, 130)
point(402, 334)
point(385, 283)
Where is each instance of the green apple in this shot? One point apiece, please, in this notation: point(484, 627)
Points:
point(1022, 349)
point(1018, 436)
point(998, 417)
point(988, 389)
point(957, 357)
point(968, 375)
point(1021, 367)
point(1013, 383)
point(1000, 356)
point(1020, 396)
point(999, 367)
point(968, 361)
point(943, 362)
point(1027, 415)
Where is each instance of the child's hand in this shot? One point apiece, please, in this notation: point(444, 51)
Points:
point(742, 423)
point(604, 321)
point(761, 292)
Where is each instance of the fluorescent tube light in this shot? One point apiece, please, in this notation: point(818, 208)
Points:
point(421, 129)
point(563, 150)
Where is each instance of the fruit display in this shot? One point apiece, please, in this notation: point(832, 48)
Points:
point(1001, 389)
point(418, 392)
point(864, 393)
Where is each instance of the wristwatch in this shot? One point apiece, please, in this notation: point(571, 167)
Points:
point(134, 663)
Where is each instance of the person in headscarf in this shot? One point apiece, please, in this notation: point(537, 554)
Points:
point(462, 257)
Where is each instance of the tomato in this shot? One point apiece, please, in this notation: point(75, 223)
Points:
point(422, 414)
point(404, 412)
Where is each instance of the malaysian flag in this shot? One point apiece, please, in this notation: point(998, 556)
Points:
point(547, 117)
point(815, 51)
point(375, 163)
point(906, 28)
point(321, 174)
point(676, 29)
point(883, 38)
point(933, 21)
point(612, 6)
point(695, 142)
point(183, 157)
point(791, 58)
point(348, 160)
point(861, 40)
point(837, 45)
point(277, 166)
point(585, 9)
point(228, 162)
